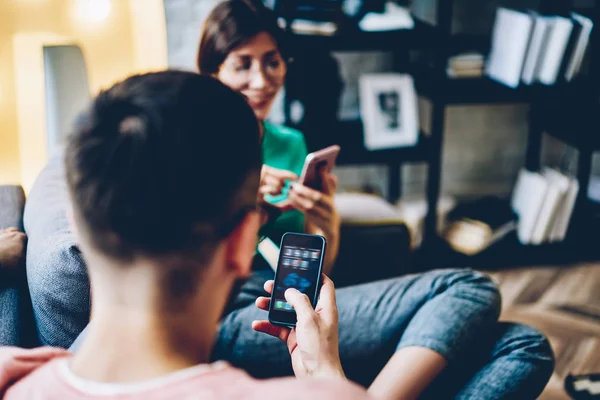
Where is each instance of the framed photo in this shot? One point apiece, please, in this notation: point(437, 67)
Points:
point(389, 110)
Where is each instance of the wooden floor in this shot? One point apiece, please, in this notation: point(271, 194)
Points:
point(564, 303)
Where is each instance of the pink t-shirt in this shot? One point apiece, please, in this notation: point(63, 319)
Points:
point(52, 379)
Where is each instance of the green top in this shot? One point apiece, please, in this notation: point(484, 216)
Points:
point(283, 148)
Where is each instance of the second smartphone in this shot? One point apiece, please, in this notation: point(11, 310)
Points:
point(299, 266)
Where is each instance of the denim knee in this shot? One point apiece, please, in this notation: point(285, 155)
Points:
point(528, 344)
point(479, 287)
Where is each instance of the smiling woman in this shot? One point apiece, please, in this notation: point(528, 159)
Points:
point(257, 70)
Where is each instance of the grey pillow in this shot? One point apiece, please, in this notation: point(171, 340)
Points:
point(56, 271)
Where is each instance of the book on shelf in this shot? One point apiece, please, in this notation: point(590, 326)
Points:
point(558, 184)
point(472, 227)
point(564, 213)
point(554, 48)
point(510, 38)
point(574, 65)
point(541, 25)
point(529, 48)
point(544, 202)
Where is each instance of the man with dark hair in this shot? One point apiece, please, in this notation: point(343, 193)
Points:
point(163, 175)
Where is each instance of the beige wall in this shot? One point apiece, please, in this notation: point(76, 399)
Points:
point(112, 48)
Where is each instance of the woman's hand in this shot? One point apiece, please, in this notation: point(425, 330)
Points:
point(313, 343)
point(318, 206)
point(272, 180)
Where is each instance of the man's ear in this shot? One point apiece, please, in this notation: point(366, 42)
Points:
point(241, 245)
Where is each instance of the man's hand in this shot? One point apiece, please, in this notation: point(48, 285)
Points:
point(313, 343)
point(12, 248)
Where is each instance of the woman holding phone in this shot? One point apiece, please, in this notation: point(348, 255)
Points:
point(398, 336)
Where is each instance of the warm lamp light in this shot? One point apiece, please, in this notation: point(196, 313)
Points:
point(93, 10)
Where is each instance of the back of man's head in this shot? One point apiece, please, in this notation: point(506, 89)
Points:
point(164, 163)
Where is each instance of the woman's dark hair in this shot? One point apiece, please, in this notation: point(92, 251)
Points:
point(229, 25)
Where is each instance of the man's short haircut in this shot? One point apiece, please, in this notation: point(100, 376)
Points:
point(163, 163)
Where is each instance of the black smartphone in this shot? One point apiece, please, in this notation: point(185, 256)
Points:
point(299, 266)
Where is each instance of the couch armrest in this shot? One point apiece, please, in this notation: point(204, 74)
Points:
point(12, 204)
point(16, 316)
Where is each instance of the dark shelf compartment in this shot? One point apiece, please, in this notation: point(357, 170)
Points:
point(469, 90)
point(349, 135)
point(572, 116)
point(508, 252)
point(353, 39)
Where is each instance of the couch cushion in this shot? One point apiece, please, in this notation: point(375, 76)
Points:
point(56, 272)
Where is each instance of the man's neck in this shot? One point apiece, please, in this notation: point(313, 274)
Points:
point(130, 345)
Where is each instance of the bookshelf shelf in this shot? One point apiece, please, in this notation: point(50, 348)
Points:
point(352, 39)
point(454, 91)
point(506, 253)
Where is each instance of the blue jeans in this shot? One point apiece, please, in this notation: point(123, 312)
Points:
point(453, 312)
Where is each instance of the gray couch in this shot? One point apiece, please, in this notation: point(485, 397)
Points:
point(57, 277)
point(16, 319)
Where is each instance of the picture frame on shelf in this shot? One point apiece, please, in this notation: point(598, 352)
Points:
point(389, 110)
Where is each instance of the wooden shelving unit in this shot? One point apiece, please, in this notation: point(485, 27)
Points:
point(568, 112)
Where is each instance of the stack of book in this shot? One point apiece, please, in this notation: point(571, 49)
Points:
point(531, 48)
point(544, 202)
point(467, 65)
point(310, 17)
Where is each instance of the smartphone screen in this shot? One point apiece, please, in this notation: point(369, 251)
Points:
point(299, 266)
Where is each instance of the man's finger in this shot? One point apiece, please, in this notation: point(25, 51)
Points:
point(268, 286)
point(262, 303)
point(300, 302)
point(270, 329)
point(327, 294)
